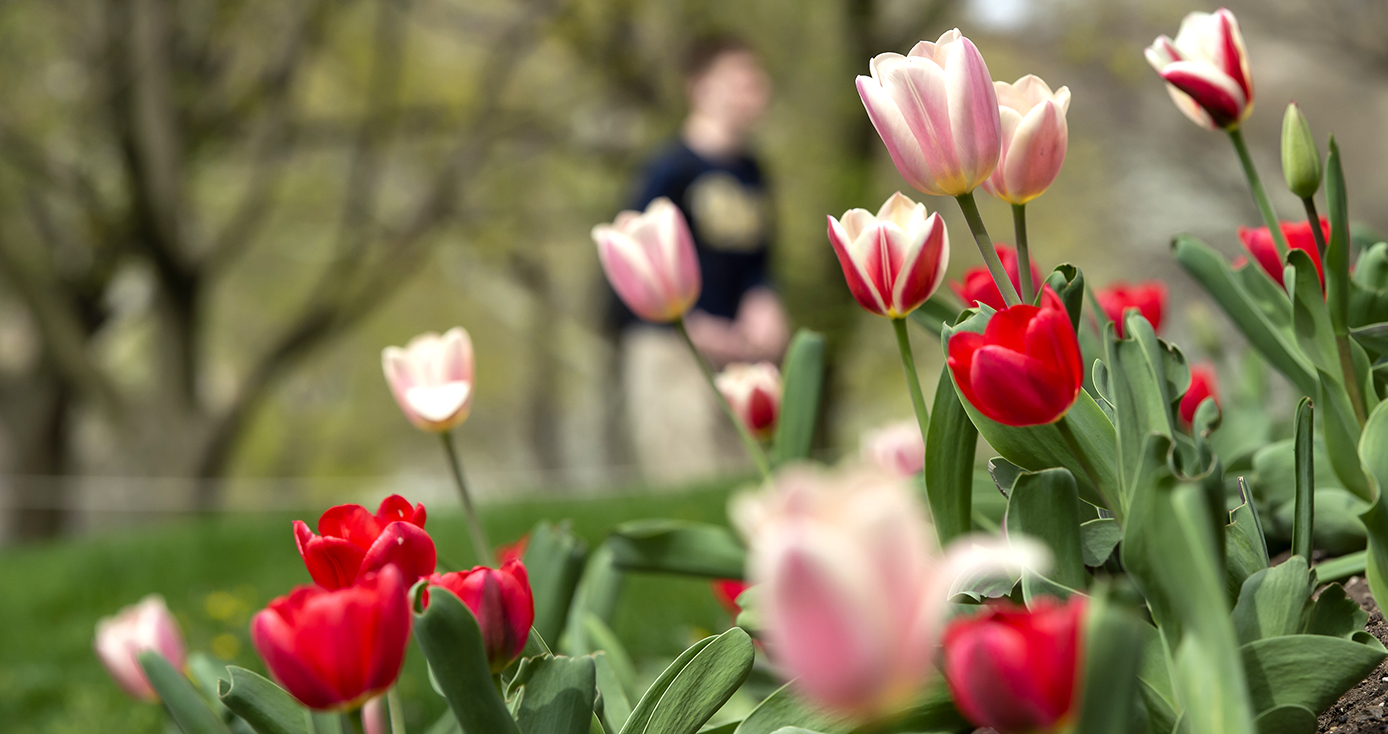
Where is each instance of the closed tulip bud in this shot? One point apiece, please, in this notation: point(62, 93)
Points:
point(754, 392)
point(1203, 384)
point(897, 449)
point(334, 649)
point(501, 601)
point(1015, 670)
point(431, 378)
point(354, 542)
point(1206, 69)
point(977, 285)
point(852, 592)
point(1148, 298)
point(1301, 160)
point(1258, 242)
point(147, 625)
point(649, 259)
point(937, 112)
point(1034, 139)
point(893, 261)
point(1023, 370)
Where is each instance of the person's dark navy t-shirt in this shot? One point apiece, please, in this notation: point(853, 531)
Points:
point(729, 214)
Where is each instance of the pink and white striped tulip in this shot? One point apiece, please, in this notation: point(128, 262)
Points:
point(897, 449)
point(1206, 69)
point(895, 260)
point(937, 112)
point(853, 593)
point(754, 392)
point(1034, 139)
point(147, 625)
point(431, 378)
point(649, 259)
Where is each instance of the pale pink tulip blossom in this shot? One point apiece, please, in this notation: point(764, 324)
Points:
point(1034, 138)
point(893, 261)
point(937, 112)
point(374, 719)
point(1206, 69)
point(897, 448)
point(146, 625)
point(649, 259)
point(754, 392)
point(431, 378)
point(852, 591)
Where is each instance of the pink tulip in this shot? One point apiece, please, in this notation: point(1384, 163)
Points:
point(1206, 69)
point(754, 392)
point(147, 625)
point(852, 592)
point(893, 261)
point(1034, 138)
point(431, 378)
point(937, 112)
point(374, 719)
point(897, 449)
point(650, 261)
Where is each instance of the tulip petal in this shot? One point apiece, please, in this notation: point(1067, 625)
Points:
point(1023, 386)
point(1217, 94)
point(896, 134)
point(333, 563)
point(921, 92)
point(352, 523)
point(1035, 153)
point(406, 546)
point(858, 283)
point(439, 403)
point(275, 642)
point(924, 269)
point(973, 114)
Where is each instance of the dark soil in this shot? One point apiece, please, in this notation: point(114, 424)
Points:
point(1364, 709)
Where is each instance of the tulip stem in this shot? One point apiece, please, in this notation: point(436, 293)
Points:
point(985, 247)
point(397, 712)
point(1315, 221)
point(1260, 195)
point(480, 546)
point(754, 448)
point(351, 722)
point(913, 380)
point(1019, 225)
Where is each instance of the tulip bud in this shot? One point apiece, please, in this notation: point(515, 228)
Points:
point(977, 285)
point(1206, 70)
point(1258, 242)
point(501, 601)
point(333, 650)
point(897, 449)
point(1034, 139)
point(1301, 160)
point(893, 261)
point(353, 542)
point(1203, 384)
point(1024, 369)
point(147, 625)
point(1014, 670)
point(1148, 298)
point(650, 260)
point(431, 378)
point(754, 392)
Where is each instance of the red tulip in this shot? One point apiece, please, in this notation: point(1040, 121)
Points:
point(512, 551)
point(1024, 369)
point(726, 591)
point(334, 649)
point(353, 542)
point(1203, 384)
point(1016, 670)
point(978, 285)
point(1258, 242)
point(1148, 298)
point(503, 604)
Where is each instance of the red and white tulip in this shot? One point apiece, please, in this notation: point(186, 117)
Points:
point(894, 260)
point(1206, 69)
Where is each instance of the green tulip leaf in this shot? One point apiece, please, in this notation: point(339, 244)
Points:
point(641, 713)
point(1098, 539)
point(803, 382)
point(949, 463)
point(596, 597)
point(328, 722)
point(1046, 505)
point(185, 706)
point(1290, 719)
point(266, 707)
point(452, 643)
point(1311, 671)
point(1068, 282)
point(784, 709)
point(1336, 258)
point(1375, 465)
point(554, 561)
point(702, 684)
point(1335, 614)
point(1368, 296)
point(1245, 547)
point(1273, 601)
point(1113, 657)
point(677, 547)
point(616, 707)
point(555, 695)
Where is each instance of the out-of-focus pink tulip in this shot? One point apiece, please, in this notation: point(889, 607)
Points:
point(977, 285)
point(897, 449)
point(1015, 670)
point(431, 378)
point(754, 392)
point(374, 716)
point(146, 625)
point(937, 112)
point(1034, 139)
point(1204, 383)
point(892, 261)
point(354, 542)
point(501, 601)
point(1206, 69)
point(650, 261)
point(333, 650)
point(1148, 298)
point(852, 591)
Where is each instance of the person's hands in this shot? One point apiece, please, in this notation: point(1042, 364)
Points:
point(717, 339)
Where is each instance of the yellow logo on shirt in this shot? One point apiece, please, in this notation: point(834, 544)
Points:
point(727, 214)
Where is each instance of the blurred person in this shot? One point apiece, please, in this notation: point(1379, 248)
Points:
point(678, 431)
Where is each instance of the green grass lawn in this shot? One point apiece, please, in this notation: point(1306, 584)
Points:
point(216, 573)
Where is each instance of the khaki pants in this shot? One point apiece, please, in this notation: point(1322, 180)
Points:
point(678, 430)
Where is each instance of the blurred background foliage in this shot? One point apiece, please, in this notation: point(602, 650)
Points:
point(215, 213)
